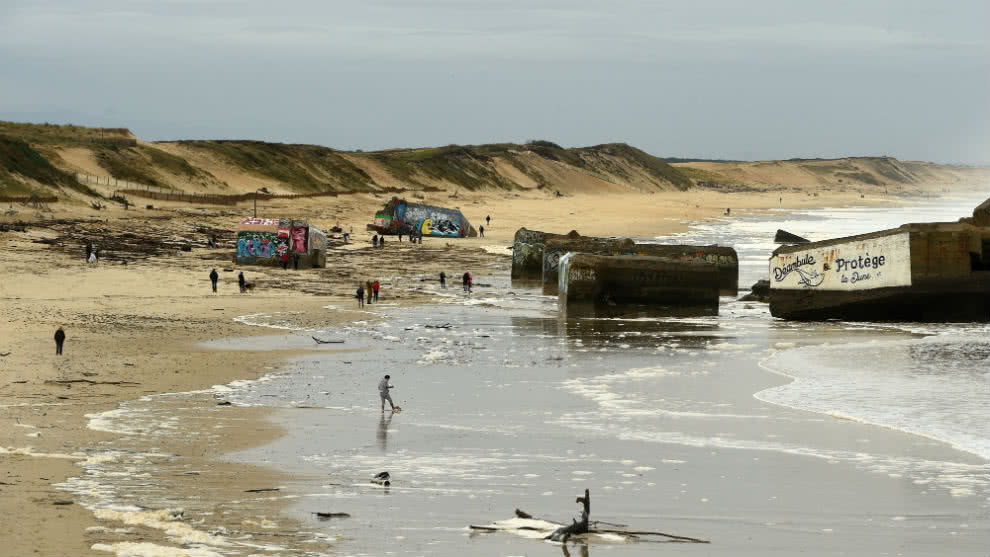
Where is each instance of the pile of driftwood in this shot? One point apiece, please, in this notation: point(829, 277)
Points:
point(138, 239)
point(579, 531)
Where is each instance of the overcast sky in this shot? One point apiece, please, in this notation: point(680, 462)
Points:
point(753, 79)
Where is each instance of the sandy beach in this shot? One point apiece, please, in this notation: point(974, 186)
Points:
point(138, 329)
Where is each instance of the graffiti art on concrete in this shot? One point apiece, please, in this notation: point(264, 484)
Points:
point(400, 217)
point(299, 236)
point(256, 221)
point(251, 243)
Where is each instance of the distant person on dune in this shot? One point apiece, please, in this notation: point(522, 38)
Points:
point(59, 339)
point(383, 388)
point(214, 277)
point(443, 279)
point(368, 289)
point(375, 286)
point(360, 296)
point(241, 282)
point(481, 230)
point(488, 221)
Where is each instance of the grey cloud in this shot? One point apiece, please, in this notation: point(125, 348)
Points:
point(760, 79)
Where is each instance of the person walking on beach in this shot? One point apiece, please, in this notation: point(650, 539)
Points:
point(374, 241)
point(59, 339)
point(381, 241)
point(368, 289)
point(466, 279)
point(241, 282)
point(285, 261)
point(214, 277)
point(295, 261)
point(443, 279)
point(481, 230)
point(488, 221)
point(89, 250)
point(375, 286)
point(360, 296)
point(383, 388)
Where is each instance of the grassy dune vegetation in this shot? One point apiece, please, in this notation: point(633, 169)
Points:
point(44, 158)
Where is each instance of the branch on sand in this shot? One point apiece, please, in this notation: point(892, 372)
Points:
point(579, 531)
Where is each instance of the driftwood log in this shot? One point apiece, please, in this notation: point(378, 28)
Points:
point(584, 526)
point(561, 534)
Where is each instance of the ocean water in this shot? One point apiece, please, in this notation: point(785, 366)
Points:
point(765, 437)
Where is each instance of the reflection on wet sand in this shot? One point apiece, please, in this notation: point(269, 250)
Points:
point(582, 550)
point(382, 435)
point(633, 331)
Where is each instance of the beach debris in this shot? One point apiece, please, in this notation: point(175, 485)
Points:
point(561, 534)
point(760, 292)
point(62, 502)
point(224, 403)
point(785, 237)
point(444, 326)
point(4, 354)
point(262, 489)
point(321, 341)
point(584, 532)
point(382, 478)
point(328, 516)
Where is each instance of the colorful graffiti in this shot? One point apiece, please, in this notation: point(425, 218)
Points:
point(433, 221)
point(252, 243)
point(256, 221)
point(299, 236)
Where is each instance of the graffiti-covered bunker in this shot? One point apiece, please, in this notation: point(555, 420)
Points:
point(916, 272)
point(401, 217)
point(262, 241)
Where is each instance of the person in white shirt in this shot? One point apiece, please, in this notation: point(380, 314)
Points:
point(383, 388)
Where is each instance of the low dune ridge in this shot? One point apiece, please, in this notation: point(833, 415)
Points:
point(46, 159)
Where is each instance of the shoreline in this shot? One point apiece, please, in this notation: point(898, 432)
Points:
point(170, 317)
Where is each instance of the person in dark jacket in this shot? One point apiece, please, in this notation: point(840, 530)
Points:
point(443, 279)
point(59, 339)
point(241, 282)
point(214, 277)
point(360, 296)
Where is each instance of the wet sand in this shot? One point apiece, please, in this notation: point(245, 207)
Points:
point(656, 418)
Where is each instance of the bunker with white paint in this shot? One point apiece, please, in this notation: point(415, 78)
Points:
point(916, 272)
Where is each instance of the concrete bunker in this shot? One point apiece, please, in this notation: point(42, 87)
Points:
point(604, 284)
point(401, 217)
point(916, 272)
point(722, 256)
point(263, 241)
